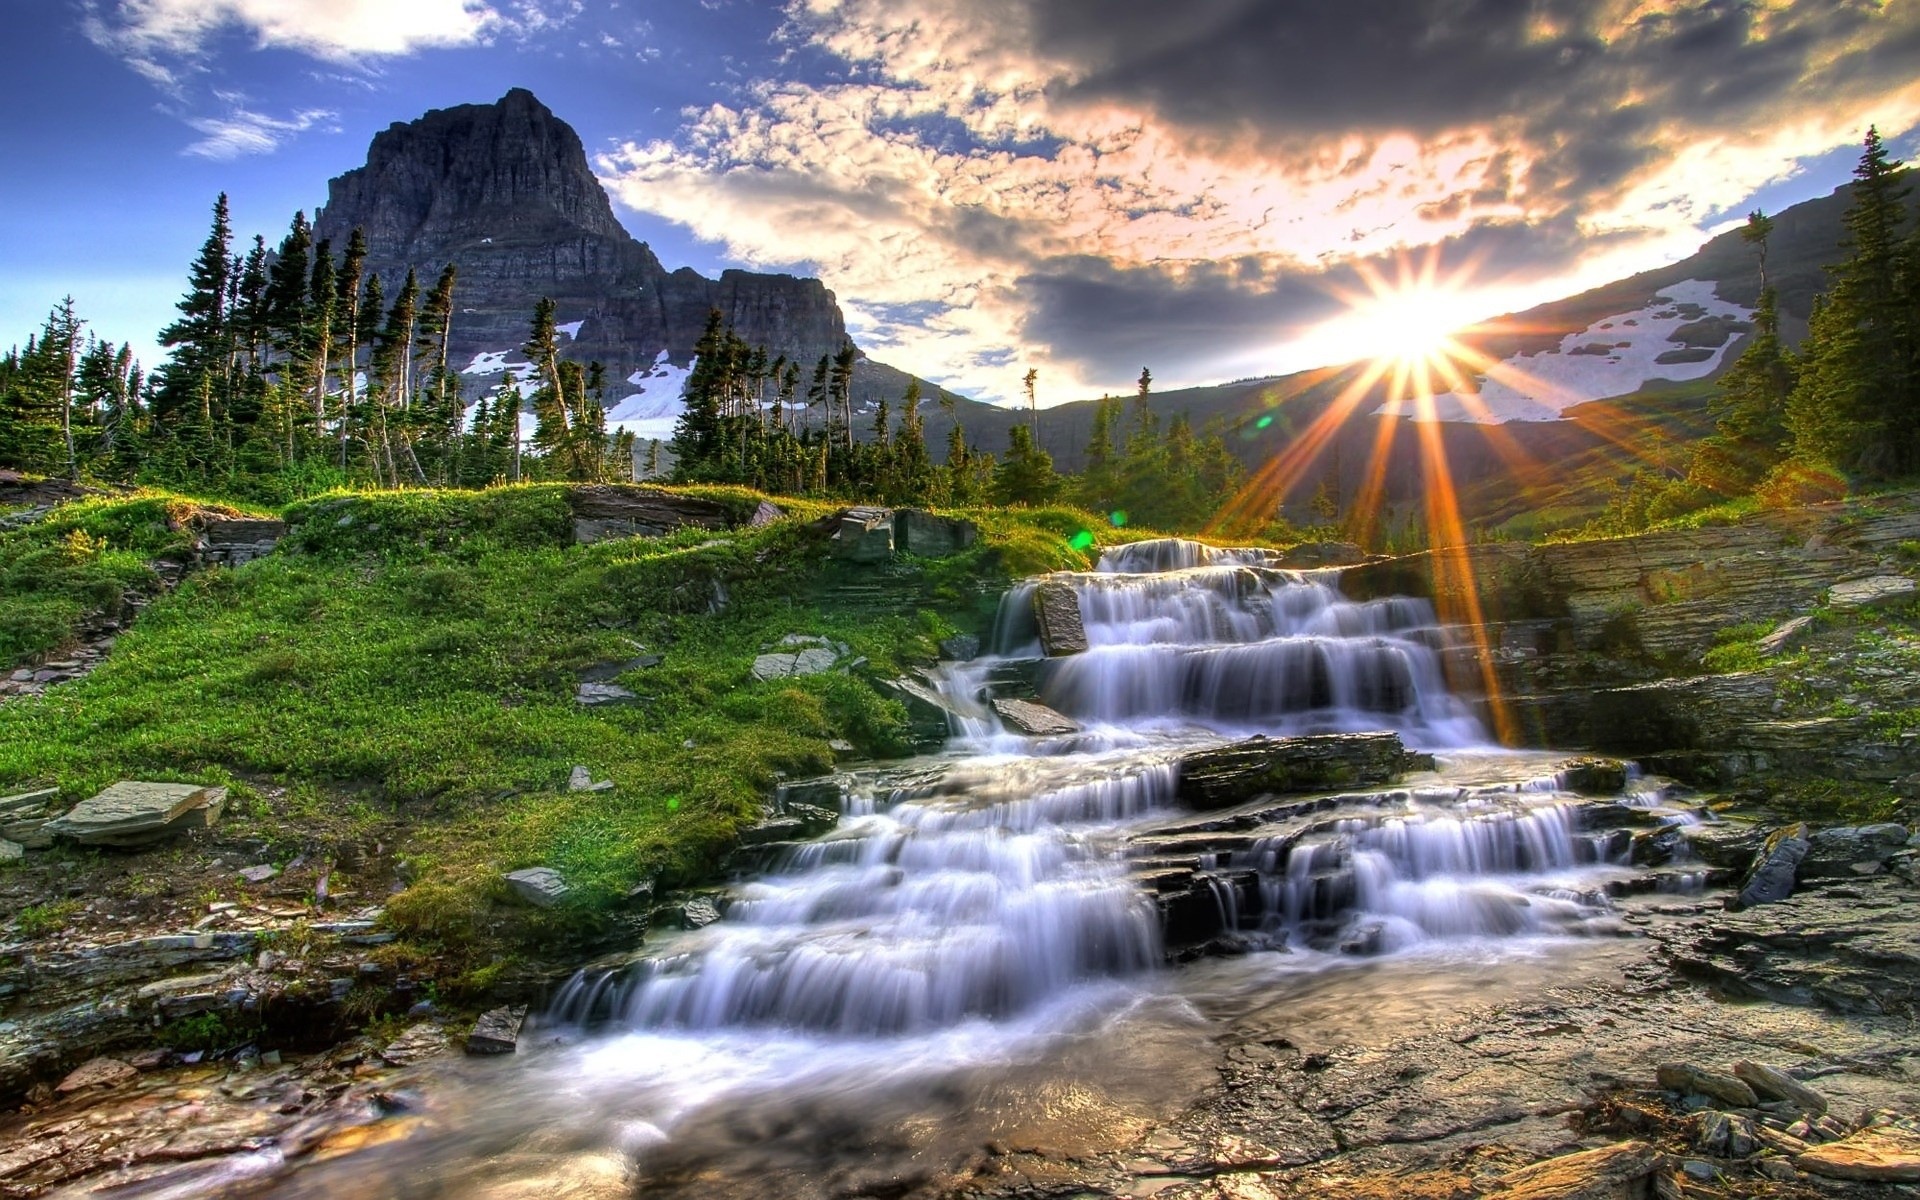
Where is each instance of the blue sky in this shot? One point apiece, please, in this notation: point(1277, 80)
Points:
point(1078, 185)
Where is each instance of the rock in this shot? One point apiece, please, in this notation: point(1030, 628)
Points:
point(31, 833)
point(813, 660)
point(960, 648)
point(1713, 1131)
point(765, 513)
point(1033, 720)
point(1616, 1172)
point(1835, 853)
point(1870, 593)
point(862, 535)
point(1775, 1084)
point(259, 874)
point(136, 814)
point(927, 712)
point(592, 695)
point(605, 511)
point(1239, 771)
point(541, 887)
point(22, 804)
point(1700, 1172)
point(418, 1042)
point(1723, 845)
point(1785, 635)
point(698, 913)
point(1684, 1078)
point(11, 852)
point(1771, 877)
point(234, 541)
point(581, 780)
point(1882, 1154)
point(96, 1072)
point(497, 1031)
point(1056, 611)
point(1594, 776)
point(930, 536)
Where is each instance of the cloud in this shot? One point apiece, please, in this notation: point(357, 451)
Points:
point(147, 32)
point(1070, 183)
point(242, 132)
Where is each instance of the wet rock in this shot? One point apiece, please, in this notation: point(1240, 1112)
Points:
point(420, 1041)
point(1056, 612)
point(1614, 1172)
point(541, 887)
point(1870, 593)
point(1723, 845)
point(960, 648)
point(861, 535)
point(698, 913)
point(1595, 776)
point(134, 813)
point(96, 1072)
point(497, 1031)
point(1240, 771)
point(1774, 1084)
point(1771, 878)
point(1032, 719)
point(927, 712)
point(1685, 1078)
point(1882, 1154)
point(931, 536)
point(593, 694)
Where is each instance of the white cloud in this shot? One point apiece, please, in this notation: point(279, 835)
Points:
point(242, 132)
point(145, 32)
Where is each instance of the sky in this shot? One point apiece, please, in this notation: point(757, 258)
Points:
point(1216, 189)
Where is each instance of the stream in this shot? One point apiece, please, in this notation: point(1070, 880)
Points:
point(972, 961)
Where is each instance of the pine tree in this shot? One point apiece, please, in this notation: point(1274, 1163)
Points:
point(1751, 406)
point(1026, 474)
point(198, 338)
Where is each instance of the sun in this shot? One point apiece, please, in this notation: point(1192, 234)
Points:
point(1413, 325)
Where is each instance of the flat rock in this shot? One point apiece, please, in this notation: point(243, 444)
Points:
point(593, 694)
point(1685, 1078)
point(1618, 1172)
point(1774, 1084)
point(134, 813)
point(259, 874)
point(22, 804)
point(541, 887)
point(1308, 555)
point(1883, 1154)
point(862, 535)
point(96, 1072)
point(1033, 720)
point(1870, 593)
point(1056, 611)
point(810, 660)
point(1594, 776)
point(1785, 635)
point(1258, 766)
point(1771, 878)
point(602, 512)
point(417, 1043)
point(497, 1031)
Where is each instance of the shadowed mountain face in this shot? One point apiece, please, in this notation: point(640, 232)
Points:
point(504, 192)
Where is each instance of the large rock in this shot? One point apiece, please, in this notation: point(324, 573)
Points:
point(928, 535)
point(497, 1031)
point(1846, 850)
point(861, 535)
point(1774, 1084)
point(1687, 1079)
point(1033, 720)
point(133, 813)
point(929, 717)
point(1883, 1154)
point(233, 541)
point(1260, 766)
point(1771, 877)
point(606, 511)
point(1056, 611)
point(541, 887)
point(800, 654)
point(1875, 592)
point(1623, 1171)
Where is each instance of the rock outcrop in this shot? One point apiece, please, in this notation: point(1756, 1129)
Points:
point(1259, 766)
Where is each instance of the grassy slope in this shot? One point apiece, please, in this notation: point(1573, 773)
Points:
point(410, 672)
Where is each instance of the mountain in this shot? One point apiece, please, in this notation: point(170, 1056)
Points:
point(504, 192)
point(1589, 389)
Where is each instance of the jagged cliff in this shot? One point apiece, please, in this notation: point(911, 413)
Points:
point(504, 191)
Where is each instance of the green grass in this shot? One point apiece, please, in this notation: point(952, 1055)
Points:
point(411, 671)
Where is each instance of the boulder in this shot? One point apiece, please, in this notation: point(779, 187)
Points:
point(1056, 611)
point(1882, 1154)
point(1834, 853)
point(541, 887)
point(1723, 844)
point(1619, 1172)
point(698, 913)
point(1870, 593)
point(1033, 720)
point(927, 712)
point(930, 536)
point(497, 1031)
point(606, 511)
point(1772, 1083)
point(132, 813)
point(1687, 1079)
point(1594, 776)
point(1770, 879)
point(1239, 771)
point(861, 535)
point(962, 647)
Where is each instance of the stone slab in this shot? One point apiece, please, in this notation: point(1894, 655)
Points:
point(133, 813)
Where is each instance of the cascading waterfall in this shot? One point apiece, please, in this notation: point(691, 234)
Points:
point(1002, 882)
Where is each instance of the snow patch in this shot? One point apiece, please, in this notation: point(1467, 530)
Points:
point(571, 329)
point(655, 407)
point(1541, 387)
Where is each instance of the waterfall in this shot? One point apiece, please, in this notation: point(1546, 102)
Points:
point(996, 883)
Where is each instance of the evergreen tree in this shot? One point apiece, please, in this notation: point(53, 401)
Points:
point(1026, 474)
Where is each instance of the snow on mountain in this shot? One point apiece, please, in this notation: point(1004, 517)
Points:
point(653, 409)
point(571, 329)
point(1683, 334)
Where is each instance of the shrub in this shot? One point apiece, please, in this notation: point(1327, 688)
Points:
point(1797, 482)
